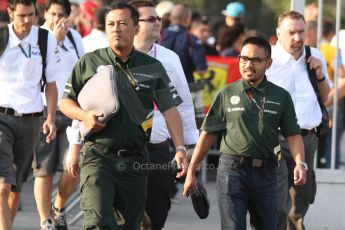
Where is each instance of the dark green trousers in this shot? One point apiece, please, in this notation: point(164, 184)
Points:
point(109, 182)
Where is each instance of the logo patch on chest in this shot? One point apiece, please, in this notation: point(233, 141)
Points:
point(235, 100)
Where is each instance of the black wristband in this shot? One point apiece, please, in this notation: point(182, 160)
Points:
point(321, 80)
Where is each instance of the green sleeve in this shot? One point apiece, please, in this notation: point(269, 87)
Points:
point(165, 95)
point(74, 83)
point(289, 125)
point(215, 119)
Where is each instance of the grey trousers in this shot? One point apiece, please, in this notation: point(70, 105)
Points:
point(294, 201)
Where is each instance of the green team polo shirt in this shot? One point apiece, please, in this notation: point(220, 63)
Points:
point(154, 87)
point(236, 116)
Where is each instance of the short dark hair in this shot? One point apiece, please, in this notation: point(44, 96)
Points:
point(13, 3)
point(99, 21)
point(259, 42)
point(290, 14)
point(123, 5)
point(327, 27)
point(4, 17)
point(227, 35)
point(142, 3)
point(66, 5)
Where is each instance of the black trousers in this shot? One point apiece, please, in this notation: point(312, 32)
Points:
point(160, 181)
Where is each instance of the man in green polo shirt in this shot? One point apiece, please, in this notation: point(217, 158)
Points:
point(247, 114)
point(113, 158)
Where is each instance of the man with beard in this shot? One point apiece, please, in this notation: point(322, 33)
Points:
point(289, 70)
point(247, 114)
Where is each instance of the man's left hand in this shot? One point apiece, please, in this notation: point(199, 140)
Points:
point(316, 64)
point(300, 175)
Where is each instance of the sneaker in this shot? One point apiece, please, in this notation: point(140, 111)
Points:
point(59, 218)
point(47, 225)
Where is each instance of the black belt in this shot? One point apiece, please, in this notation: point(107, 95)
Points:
point(12, 112)
point(163, 145)
point(118, 152)
point(254, 162)
point(305, 132)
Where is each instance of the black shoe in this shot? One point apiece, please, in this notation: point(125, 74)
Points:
point(59, 218)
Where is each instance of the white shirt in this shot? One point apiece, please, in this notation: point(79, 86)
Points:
point(172, 65)
point(68, 60)
point(292, 75)
point(20, 76)
point(95, 40)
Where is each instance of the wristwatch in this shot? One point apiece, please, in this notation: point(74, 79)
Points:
point(181, 148)
point(321, 80)
point(302, 163)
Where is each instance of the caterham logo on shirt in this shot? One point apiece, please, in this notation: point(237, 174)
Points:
point(235, 100)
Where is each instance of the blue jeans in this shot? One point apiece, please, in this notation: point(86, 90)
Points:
point(243, 187)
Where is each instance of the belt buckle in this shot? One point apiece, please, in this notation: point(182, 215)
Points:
point(257, 163)
point(121, 152)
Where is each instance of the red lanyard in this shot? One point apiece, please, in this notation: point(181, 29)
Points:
point(261, 108)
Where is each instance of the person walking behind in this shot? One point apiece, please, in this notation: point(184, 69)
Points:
point(21, 102)
point(49, 157)
point(247, 114)
point(161, 179)
point(188, 47)
point(289, 71)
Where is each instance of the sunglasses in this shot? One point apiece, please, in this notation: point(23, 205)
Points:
point(151, 19)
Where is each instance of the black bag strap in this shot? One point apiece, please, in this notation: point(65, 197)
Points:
point(312, 75)
point(43, 43)
point(70, 37)
point(4, 37)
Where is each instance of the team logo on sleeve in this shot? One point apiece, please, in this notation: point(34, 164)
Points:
point(235, 100)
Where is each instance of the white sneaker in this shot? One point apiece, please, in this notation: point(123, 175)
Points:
point(47, 225)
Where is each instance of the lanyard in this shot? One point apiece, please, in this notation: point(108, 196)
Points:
point(63, 47)
point(154, 51)
point(129, 75)
point(260, 108)
point(23, 51)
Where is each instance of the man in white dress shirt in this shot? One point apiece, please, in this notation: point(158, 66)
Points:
point(21, 103)
point(159, 181)
point(289, 70)
point(49, 157)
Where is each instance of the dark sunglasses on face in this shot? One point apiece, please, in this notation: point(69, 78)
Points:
point(253, 60)
point(151, 19)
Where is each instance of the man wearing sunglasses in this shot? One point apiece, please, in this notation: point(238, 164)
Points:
point(160, 181)
point(247, 114)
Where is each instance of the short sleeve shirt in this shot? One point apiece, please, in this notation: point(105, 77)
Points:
point(244, 131)
point(153, 82)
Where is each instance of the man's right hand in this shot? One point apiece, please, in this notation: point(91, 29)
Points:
point(91, 121)
point(60, 30)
